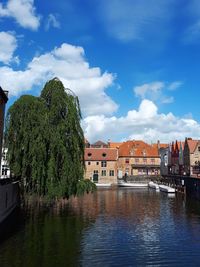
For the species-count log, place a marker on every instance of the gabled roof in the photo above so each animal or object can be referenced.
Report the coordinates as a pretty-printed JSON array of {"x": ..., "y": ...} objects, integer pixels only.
[
  {"x": 192, "y": 144},
  {"x": 137, "y": 148},
  {"x": 101, "y": 154}
]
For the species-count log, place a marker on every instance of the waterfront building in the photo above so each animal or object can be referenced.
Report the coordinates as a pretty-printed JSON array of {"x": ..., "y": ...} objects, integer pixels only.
[
  {"x": 177, "y": 158},
  {"x": 191, "y": 157},
  {"x": 101, "y": 164},
  {"x": 138, "y": 158},
  {"x": 3, "y": 101}
]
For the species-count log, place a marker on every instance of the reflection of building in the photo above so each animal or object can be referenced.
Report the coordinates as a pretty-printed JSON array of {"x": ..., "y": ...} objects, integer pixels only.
[
  {"x": 138, "y": 158},
  {"x": 191, "y": 156},
  {"x": 101, "y": 165}
]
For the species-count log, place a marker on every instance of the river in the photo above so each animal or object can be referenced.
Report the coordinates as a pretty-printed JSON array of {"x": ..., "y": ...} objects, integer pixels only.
[{"x": 112, "y": 227}]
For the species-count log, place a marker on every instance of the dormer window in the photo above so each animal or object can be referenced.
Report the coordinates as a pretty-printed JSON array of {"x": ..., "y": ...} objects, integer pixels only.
[
  {"x": 104, "y": 155},
  {"x": 198, "y": 148},
  {"x": 89, "y": 155}
]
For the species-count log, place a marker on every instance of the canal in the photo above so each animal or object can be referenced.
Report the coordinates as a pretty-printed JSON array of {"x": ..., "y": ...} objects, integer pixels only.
[{"x": 112, "y": 227}]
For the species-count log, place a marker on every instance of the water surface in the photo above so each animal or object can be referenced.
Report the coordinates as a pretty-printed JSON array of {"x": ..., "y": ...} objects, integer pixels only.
[{"x": 112, "y": 227}]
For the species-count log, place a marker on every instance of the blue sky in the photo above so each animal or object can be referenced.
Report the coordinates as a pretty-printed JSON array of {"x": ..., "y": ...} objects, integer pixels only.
[{"x": 133, "y": 63}]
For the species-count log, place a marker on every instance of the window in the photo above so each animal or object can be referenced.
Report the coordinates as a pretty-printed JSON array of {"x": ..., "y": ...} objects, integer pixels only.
[
  {"x": 127, "y": 161},
  {"x": 103, "y": 164},
  {"x": 145, "y": 160},
  {"x": 96, "y": 172},
  {"x": 136, "y": 160},
  {"x": 152, "y": 161},
  {"x": 97, "y": 163},
  {"x": 4, "y": 170},
  {"x": 89, "y": 162},
  {"x": 112, "y": 173},
  {"x": 103, "y": 173},
  {"x": 198, "y": 148}
]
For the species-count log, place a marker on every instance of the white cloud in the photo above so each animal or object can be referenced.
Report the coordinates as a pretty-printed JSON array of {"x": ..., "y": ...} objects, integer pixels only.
[
  {"x": 69, "y": 64},
  {"x": 52, "y": 21},
  {"x": 135, "y": 20},
  {"x": 8, "y": 45},
  {"x": 23, "y": 11},
  {"x": 146, "y": 123},
  {"x": 157, "y": 91},
  {"x": 174, "y": 85},
  {"x": 149, "y": 88},
  {"x": 168, "y": 100}
]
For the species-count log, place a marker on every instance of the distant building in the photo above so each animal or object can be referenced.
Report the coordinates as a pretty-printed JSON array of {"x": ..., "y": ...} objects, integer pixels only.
[
  {"x": 191, "y": 156},
  {"x": 99, "y": 144},
  {"x": 101, "y": 165},
  {"x": 177, "y": 149},
  {"x": 138, "y": 158},
  {"x": 3, "y": 101}
]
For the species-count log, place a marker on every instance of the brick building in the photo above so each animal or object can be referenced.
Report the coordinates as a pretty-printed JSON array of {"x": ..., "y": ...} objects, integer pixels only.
[
  {"x": 101, "y": 164},
  {"x": 138, "y": 158}
]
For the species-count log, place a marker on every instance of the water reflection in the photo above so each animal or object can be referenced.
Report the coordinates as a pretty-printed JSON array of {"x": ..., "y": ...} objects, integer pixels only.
[{"x": 112, "y": 227}]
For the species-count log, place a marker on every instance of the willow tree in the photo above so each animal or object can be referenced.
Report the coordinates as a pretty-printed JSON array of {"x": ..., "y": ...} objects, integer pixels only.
[{"x": 46, "y": 143}]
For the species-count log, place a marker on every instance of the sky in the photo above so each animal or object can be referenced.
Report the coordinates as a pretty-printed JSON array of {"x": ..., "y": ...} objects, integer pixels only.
[{"x": 134, "y": 64}]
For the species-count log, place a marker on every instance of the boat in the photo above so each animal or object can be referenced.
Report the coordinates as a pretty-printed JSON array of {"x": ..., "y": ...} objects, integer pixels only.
[
  {"x": 167, "y": 189},
  {"x": 103, "y": 185},
  {"x": 134, "y": 184},
  {"x": 153, "y": 185},
  {"x": 9, "y": 198}
]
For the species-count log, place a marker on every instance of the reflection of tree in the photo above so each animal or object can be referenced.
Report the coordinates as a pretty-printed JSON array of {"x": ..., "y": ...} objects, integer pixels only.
[{"x": 49, "y": 238}]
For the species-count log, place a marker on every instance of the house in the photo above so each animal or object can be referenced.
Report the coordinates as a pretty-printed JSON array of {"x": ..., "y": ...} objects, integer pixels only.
[
  {"x": 191, "y": 156},
  {"x": 177, "y": 158},
  {"x": 101, "y": 165},
  {"x": 138, "y": 158}
]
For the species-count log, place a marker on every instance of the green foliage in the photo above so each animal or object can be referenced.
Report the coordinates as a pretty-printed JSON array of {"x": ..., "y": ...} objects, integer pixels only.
[
  {"x": 46, "y": 143},
  {"x": 85, "y": 186}
]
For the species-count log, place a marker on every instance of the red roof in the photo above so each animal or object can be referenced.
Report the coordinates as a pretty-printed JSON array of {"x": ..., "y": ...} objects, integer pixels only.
[
  {"x": 95, "y": 154},
  {"x": 114, "y": 144},
  {"x": 192, "y": 145},
  {"x": 137, "y": 149}
]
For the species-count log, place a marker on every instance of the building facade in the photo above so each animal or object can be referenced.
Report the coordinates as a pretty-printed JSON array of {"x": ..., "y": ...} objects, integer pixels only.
[
  {"x": 101, "y": 165},
  {"x": 138, "y": 158},
  {"x": 191, "y": 157}
]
